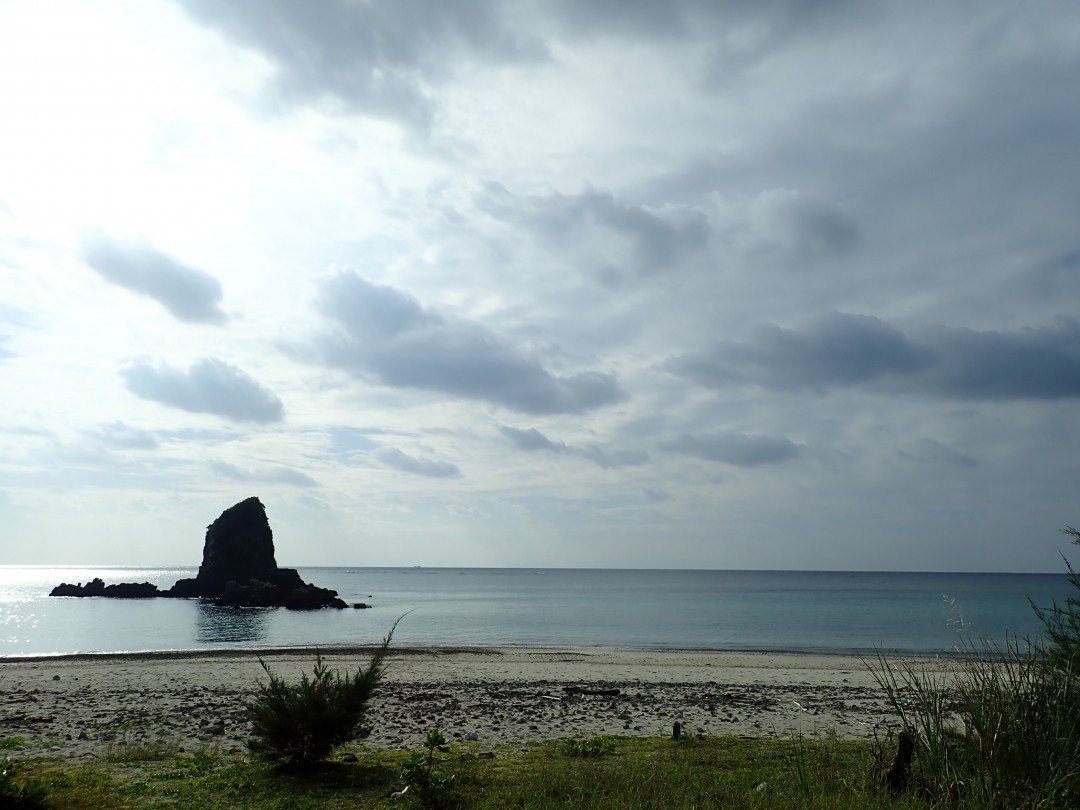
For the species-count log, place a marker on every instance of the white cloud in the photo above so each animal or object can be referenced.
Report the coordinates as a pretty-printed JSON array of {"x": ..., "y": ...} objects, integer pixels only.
[
  {"x": 403, "y": 462},
  {"x": 387, "y": 336},
  {"x": 209, "y": 386},
  {"x": 189, "y": 294}
]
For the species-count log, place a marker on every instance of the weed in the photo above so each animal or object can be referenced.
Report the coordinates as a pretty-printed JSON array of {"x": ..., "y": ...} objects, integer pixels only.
[
  {"x": 433, "y": 786},
  {"x": 590, "y": 748}
]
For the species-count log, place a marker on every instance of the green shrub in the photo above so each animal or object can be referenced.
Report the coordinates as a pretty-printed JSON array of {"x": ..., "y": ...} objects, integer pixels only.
[
  {"x": 17, "y": 791},
  {"x": 296, "y": 725}
]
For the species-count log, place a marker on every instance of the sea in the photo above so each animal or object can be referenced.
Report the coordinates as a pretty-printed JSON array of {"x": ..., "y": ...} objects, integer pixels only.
[{"x": 826, "y": 612}]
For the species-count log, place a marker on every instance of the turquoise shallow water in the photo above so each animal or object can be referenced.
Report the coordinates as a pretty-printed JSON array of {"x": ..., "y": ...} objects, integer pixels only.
[{"x": 824, "y": 612}]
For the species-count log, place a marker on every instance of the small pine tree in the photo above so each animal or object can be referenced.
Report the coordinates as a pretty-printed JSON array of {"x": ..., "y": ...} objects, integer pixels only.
[{"x": 296, "y": 725}]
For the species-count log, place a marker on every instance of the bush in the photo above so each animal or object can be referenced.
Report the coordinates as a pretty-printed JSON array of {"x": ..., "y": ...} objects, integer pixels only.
[
  {"x": 1006, "y": 731},
  {"x": 19, "y": 792},
  {"x": 298, "y": 725}
]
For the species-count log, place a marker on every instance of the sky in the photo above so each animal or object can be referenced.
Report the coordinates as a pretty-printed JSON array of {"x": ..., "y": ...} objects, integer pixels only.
[{"x": 651, "y": 283}]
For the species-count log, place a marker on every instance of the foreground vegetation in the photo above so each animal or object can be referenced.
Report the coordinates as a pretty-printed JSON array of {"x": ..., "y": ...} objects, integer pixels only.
[
  {"x": 1006, "y": 733},
  {"x": 611, "y": 772}
]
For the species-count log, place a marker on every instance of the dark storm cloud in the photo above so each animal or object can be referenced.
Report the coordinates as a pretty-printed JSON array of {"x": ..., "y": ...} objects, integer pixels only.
[
  {"x": 210, "y": 386},
  {"x": 1029, "y": 364},
  {"x": 531, "y": 440},
  {"x": 403, "y": 462},
  {"x": 387, "y": 336},
  {"x": 735, "y": 448},
  {"x": 847, "y": 350},
  {"x": 838, "y": 349},
  {"x": 654, "y": 240},
  {"x": 372, "y": 58},
  {"x": 188, "y": 293},
  {"x": 273, "y": 475}
]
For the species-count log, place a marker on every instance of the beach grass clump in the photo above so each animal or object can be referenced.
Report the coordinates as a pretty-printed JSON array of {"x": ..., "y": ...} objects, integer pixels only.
[
  {"x": 1005, "y": 730},
  {"x": 297, "y": 725},
  {"x": 1061, "y": 622},
  {"x": 591, "y": 747},
  {"x": 127, "y": 749}
]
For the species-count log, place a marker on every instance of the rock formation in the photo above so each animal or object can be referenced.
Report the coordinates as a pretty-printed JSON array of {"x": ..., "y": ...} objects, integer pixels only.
[
  {"x": 97, "y": 587},
  {"x": 238, "y": 568}
]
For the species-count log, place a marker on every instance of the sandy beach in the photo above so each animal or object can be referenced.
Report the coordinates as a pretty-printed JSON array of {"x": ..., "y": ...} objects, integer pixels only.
[{"x": 79, "y": 706}]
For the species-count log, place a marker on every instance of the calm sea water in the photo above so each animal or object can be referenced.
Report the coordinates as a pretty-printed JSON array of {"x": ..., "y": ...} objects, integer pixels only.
[{"x": 825, "y": 612}]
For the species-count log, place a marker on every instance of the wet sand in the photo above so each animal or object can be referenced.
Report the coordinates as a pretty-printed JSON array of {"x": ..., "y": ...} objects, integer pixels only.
[{"x": 80, "y": 706}]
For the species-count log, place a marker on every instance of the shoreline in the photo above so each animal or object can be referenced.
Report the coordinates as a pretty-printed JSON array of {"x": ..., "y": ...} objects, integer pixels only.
[
  {"x": 398, "y": 650},
  {"x": 83, "y": 706}
]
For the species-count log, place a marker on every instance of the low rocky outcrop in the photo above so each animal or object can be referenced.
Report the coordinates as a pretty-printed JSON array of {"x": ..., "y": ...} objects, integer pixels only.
[
  {"x": 238, "y": 568},
  {"x": 97, "y": 587}
]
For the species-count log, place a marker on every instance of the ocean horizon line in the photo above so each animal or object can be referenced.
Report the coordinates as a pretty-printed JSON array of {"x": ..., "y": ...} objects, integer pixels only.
[{"x": 591, "y": 569}]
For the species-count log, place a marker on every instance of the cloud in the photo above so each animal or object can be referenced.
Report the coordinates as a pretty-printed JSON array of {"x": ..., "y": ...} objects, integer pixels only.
[
  {"x": 396, "y": 459},
  {"x": 611, "y": 235},
  {"x": 210, "y": 386},
  {"x": 269, "y": 475},
  {"x": 799, "y": 226},
  {"x": 16, "y": 316},
  {"x": 387, "y": 336},
  {"x": 531, "y": 440},
  {"x": 346, "y": 442},
  {"x": 1039, "y": 363},
  {"x": 188, "y": 293},
  {"x": 848, "y": 350},
  {"x": 118, "y": 434},
  {"x": 735, "y": 448},
  {"x": 931, "y": 451},
  {"x": 377, "y": 59},
  {"x": 837, "y": 349},
  {"x": 5, "y": 353}
]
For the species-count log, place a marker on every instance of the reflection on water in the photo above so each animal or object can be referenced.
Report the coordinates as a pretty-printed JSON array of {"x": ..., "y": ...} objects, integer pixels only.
[{"x": 217, "y": 625}]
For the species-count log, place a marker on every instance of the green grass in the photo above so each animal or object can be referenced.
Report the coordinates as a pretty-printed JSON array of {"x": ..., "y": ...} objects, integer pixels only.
[{"x": 620, "y": 772}]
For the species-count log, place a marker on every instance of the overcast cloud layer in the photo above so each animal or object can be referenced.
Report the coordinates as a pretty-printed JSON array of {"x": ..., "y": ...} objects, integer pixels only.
[{"x": 652, "y": 284}]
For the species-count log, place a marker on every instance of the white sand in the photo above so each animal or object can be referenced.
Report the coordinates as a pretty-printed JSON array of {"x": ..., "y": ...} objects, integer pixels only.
[{"x": 79, "y": 706}]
